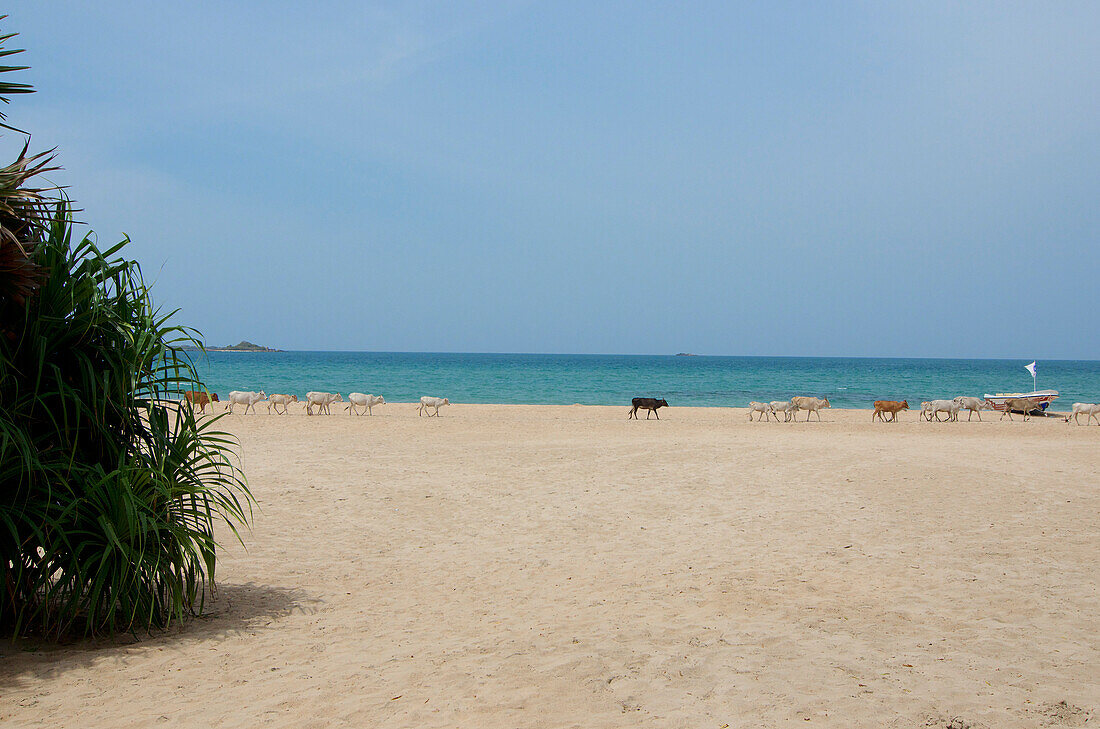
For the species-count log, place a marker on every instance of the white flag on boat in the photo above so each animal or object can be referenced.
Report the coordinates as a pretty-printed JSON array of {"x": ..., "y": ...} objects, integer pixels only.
[{"x": 1030, "y": 368}]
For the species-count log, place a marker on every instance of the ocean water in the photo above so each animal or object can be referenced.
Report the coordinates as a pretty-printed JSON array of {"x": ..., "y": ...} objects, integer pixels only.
[{"x": 564, "y": 379}]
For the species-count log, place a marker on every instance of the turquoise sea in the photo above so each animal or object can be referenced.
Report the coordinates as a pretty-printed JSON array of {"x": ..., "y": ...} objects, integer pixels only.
[{"x": 564, "y": 379}]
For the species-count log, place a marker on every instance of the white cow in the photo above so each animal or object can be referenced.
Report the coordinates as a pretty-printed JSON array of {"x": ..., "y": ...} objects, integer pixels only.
[
  {"x": 248, "y": 399},
  {"x": 974, "y": 405},
  {"x": 810, "y": 405},
  {"x": 358, "y": 400},
  {"x": 952, "y": 408},
  {"x": 926, "y": 410},
  {"x": 321, "y": 400},
  {"x": 432, "y": 402},
  {"x": 275, "y": 400},
  {"x": 784, "y": 406},
  {"x": 1087, "y": 409},
  {"x": 1025, "y": 405},
  {"x": 764, "y": 408}
]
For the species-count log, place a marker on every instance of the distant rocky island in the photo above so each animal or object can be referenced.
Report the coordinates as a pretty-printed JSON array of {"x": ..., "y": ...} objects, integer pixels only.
[
  {"x": 243, "y": 346},
  {"x": 686, "y": 354}
]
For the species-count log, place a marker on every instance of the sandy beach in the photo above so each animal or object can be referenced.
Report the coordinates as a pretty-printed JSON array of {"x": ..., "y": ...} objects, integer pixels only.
[{"x": 557, "y": 566}]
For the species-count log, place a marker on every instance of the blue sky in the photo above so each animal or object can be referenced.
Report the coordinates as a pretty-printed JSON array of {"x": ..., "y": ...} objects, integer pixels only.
[{"x": 773, "y": 178}]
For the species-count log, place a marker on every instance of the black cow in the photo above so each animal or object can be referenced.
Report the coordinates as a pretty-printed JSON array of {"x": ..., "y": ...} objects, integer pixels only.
[{"x": 650, "y": 404}]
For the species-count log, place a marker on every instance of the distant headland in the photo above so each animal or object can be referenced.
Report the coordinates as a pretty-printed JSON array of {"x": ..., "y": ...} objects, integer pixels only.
[
  {"x": 686, "y": 354},
  {"x": 243, "y": 346}
]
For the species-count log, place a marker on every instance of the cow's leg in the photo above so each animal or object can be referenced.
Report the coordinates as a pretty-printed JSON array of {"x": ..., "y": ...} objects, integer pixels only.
[
  {"x": 648, "y": 413},
  {"x": 657, "y": 414}
]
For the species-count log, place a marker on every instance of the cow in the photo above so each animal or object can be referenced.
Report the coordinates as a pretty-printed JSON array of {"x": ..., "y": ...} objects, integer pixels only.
[
  {"x": 649, "y": 404},
  {"x": 321, "y": 400},
  {"x": 201, "y": 398},
  {"x": 1088, "y": 409},
  {"x": 275, "y": 400},
  {"x": 431, "y": 402},
  {"x": 358, "y": 400},
  {"x": 810, "y": 405},
  {"x": 1024, "y": 405},
  {"x": 952, "y": 408},
  {"x": 248, "y": 399},
  {"x": 764, "y": 408},
  {"x": 783, "y": 406},
  {"x": 889, "y": 406},
  {"x": 926, "y": 410},
  {"x": 972, "y": 404}
]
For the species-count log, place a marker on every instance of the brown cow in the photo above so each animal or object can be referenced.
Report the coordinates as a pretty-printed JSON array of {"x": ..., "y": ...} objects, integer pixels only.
[
  {"x": 202, "y": 399},
  {"x": 889, "y": 406}
]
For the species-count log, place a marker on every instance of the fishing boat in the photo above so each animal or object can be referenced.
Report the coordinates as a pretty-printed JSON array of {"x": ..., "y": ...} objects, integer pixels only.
[{"x": 1044, "y": 397}]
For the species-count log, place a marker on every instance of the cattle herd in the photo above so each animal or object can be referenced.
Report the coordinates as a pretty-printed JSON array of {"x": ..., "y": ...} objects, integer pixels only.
[
  {"x": 358, "y": 403},
  {"x": 321, "y": 402}
]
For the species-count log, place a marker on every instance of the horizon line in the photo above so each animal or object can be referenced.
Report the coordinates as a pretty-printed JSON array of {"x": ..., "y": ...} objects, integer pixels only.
[{"x": 643, "y": 354}]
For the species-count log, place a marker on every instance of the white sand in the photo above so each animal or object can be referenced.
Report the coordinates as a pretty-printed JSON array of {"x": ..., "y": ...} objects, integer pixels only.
[{"x": 515, "y": 566}]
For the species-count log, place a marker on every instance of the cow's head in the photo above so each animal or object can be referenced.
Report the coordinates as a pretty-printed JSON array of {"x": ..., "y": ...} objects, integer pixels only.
[
  {"x": 904, "y": 404},
  {"x": 663, "y": 403},
  {"x": 446, "y": 401},
  {"x": 262, "y": 394},
  {"x": 214, "y": 397},
  {"x": 826, "y": 404},
  {"x": 294, "y": 398},
  {"x": 381, "y": 400},
  {"x": 339, "y": 398}
]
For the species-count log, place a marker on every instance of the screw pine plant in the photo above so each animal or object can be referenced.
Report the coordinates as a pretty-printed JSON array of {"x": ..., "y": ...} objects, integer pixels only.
[{"x": 110, "y": 493}]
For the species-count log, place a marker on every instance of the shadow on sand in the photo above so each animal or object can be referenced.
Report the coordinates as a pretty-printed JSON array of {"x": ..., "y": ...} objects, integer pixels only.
[{"x": 235, "y": 609}]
